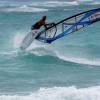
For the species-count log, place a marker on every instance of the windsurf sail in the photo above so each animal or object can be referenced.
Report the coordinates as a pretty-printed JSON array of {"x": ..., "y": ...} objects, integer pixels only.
[{"x": 69, "y": 25}]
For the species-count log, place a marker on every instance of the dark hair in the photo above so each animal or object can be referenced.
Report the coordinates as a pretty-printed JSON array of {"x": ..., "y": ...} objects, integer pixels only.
[{"x": 44, "y": 18}]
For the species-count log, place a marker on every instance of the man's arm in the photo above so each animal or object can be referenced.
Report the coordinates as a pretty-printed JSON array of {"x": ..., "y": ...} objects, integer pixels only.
[
  {"x": 45, "y": 26},
  {"x": 50, "y": 24}
]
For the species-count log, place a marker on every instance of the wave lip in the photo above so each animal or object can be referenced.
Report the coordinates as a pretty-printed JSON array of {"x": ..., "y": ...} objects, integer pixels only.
[
  {"x": 78, "y": 60},
  {"x": 59, "y": 93}
]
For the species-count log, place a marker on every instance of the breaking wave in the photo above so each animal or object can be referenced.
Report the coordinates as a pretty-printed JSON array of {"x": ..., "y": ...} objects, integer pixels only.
[{"x": 59, "y": 93}]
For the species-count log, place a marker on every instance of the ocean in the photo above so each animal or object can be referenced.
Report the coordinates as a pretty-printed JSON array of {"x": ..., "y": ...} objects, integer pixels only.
[{"x": 67, "y": 69}]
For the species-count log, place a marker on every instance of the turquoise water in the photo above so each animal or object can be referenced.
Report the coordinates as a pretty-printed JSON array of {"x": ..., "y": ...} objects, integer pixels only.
[{"x": 68, "y": 69}]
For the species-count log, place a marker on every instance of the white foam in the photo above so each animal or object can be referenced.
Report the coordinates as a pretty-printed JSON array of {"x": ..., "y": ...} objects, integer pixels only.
[
  {"x": 9, "y": 52},
  {"x": 24, "y": 8},
  {"x": 40, "y": 49},
  {"x": 89, "y": 2},
  {"x": 59, "y": 93},
  {"x": 55, "y": 3},
  {"x": 85, "y": 0},
  {"x": 77, "y": 59}
]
